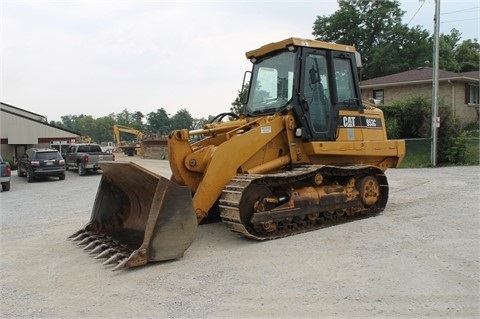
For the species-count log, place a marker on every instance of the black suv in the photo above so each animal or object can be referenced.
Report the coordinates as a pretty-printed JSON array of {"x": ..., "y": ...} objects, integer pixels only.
[{"x": 41, "y": 162}]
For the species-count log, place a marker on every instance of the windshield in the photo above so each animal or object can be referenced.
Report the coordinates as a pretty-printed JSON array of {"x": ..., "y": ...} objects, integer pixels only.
[{"x": 271, "y": 84}]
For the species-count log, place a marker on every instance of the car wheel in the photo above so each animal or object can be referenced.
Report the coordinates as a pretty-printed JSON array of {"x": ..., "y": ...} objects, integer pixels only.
[
  {"x": 29, "y": 175},
  {"x": 81, "y": 169},
  {"x": 6, "y": 186},
  {"x": 20, "y": 172},
  {"x": 61, "y": 177}
]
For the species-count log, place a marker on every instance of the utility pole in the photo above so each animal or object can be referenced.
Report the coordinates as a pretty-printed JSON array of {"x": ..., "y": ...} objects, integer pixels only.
[{"x": 435, "y": 119}]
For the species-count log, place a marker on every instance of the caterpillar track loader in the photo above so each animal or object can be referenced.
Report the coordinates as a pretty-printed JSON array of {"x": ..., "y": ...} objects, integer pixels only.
[{"x": 307, "y": 153}]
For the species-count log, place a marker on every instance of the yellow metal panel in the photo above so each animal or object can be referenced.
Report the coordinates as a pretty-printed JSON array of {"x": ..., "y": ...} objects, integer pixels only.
[
  {"x": 354, "y": 148},
  {"x": 274, "y": 46}
]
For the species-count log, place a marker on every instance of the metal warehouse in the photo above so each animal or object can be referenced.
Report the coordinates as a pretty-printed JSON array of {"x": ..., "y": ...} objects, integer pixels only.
[{"x": 21, "y": 129}]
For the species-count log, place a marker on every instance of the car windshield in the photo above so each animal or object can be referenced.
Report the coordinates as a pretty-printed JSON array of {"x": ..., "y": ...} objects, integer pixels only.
[
  {"x": 47, "y": 155},
  {"x": 271, "y": 84}
]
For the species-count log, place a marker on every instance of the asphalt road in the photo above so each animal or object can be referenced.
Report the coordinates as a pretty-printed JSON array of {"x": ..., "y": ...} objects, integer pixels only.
[{"x": 419, "y": 258}]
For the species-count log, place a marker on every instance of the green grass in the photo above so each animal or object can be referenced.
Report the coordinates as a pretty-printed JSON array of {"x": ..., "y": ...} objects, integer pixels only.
[
  {"x": 418, "y": 153},
  {"x": 473, "y": 152}
]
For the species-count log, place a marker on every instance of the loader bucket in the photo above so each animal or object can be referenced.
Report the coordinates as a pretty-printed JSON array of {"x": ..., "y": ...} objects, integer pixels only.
[{"x": 138, "y": 217}]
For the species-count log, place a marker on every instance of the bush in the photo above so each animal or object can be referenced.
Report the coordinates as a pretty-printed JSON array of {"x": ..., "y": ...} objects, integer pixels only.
[
  {"x": 451, "y": 143},
  {"x": 411, "y": 118},
  {"x": 472, "y": 129},
  {"x": 456, "y": 150},
  {"x": 408, "y": 118}
]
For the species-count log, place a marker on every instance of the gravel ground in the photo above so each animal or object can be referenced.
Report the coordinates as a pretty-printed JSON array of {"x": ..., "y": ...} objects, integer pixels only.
[{"x": 417, "y": 259}]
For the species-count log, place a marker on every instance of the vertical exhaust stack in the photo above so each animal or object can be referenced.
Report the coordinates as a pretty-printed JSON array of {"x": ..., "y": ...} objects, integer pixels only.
[{"x": 138, "y": 217}]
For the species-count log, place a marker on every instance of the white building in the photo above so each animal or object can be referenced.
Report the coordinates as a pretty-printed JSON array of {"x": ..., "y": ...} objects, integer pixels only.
[{"x": 21, "y": 129}]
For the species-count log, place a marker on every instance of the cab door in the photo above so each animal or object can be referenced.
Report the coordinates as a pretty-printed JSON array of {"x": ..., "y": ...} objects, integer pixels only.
[
  {"x": 328, "y": 85},
  {"x": 316, "y": 96}
]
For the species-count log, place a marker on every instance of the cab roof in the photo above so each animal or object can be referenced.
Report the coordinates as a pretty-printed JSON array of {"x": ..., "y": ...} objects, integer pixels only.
[{"x": 298, "y": 42}]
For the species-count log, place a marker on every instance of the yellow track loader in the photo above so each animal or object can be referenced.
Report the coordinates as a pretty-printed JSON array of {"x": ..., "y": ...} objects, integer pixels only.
[{"x": 307, "y": 153}]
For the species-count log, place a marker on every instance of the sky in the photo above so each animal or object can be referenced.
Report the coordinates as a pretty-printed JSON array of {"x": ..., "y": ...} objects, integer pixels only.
[{"x": 101, "y": 57}]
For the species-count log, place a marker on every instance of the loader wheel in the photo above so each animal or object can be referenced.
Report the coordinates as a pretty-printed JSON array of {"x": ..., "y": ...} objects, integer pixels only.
[
  {"x": 369, "y": 190},
  {"x": 249, "y": 203}
]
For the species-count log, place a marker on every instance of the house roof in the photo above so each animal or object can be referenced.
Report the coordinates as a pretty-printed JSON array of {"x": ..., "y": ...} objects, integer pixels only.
[
  {"x": 7, "y": 108},
  {"x": 472, "y": 74},
  {"x": 424, "y": 74}
]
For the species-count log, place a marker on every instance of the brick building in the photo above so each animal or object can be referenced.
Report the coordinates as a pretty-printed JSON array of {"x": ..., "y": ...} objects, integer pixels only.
[{"x": 459, "y": 91}]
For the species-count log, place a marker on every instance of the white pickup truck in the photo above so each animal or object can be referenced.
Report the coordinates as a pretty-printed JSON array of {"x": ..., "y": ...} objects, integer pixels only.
[{"x": 86, "y": 157}]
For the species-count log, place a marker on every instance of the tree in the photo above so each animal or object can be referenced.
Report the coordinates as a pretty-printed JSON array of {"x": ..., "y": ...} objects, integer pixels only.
[
  {"x": 238, "y": 105},
  {"x": 199, "y": 123},
  {"x": 447, "y": 46},
  {"x": 134, "y": 120},
  {"x": 386, "y": 45},
  {"x": 66, "y": 122},
  {"x": 137, "y": 120},
  {"x": 182, "y": 120},
  {"x": 83, "y": 124},
  {"x": 468, "y": 55},
  {"x": 404, "y": 49},
  {"x": 366, "y": 24},
  {"x": 159, "y": 121},
  {"x": 104, "y": 129}
]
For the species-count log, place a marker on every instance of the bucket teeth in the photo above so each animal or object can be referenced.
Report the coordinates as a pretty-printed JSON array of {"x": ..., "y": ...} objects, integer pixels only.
[
  {"x": 121, "y": 264},
  {"x": 93, "y": 244},
  {"x": 76, "y": 234},
  {"x": 103, "y": 246},
  {"x": 99, "y": 249},
  {"x": 115, "y": 258},
  {"x": 80, "y": 236},
  {"x": 86, "y": 240},
  {"x": 106, "y": 253}
]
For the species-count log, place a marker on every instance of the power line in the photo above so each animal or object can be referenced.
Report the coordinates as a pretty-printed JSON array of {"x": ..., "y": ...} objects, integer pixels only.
[
  {"x": 458, "y": 20},
  {"x": 416, "y": 12},
  {"x": 459, "y": 11}
]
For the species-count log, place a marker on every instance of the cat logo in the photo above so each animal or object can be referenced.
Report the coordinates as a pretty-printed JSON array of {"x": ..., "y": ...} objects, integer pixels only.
[{"x": 349, "y": 121}]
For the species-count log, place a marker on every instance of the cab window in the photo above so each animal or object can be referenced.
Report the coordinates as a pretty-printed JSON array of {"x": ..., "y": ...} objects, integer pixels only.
[
  {"x": 344, "y": 81},
  {"x": 316, "y": 91}
]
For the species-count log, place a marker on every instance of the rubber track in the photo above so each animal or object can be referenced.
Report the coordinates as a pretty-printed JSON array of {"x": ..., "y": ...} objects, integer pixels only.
[{"x": 232, "y": 195}]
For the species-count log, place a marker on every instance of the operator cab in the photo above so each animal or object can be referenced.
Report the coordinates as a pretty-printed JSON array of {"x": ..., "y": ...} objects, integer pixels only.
[{"x": 314, "y": 79}]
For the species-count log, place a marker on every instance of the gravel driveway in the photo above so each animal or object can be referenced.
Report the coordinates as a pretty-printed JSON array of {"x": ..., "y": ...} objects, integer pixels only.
[{"x": 417, "y": 259}]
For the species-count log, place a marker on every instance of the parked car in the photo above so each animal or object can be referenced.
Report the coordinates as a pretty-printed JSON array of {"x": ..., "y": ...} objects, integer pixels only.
[
  {"x": 5, "y": 172},
  {"x": 41, "y": 162},
  {"x": 85, "y": 157}
]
